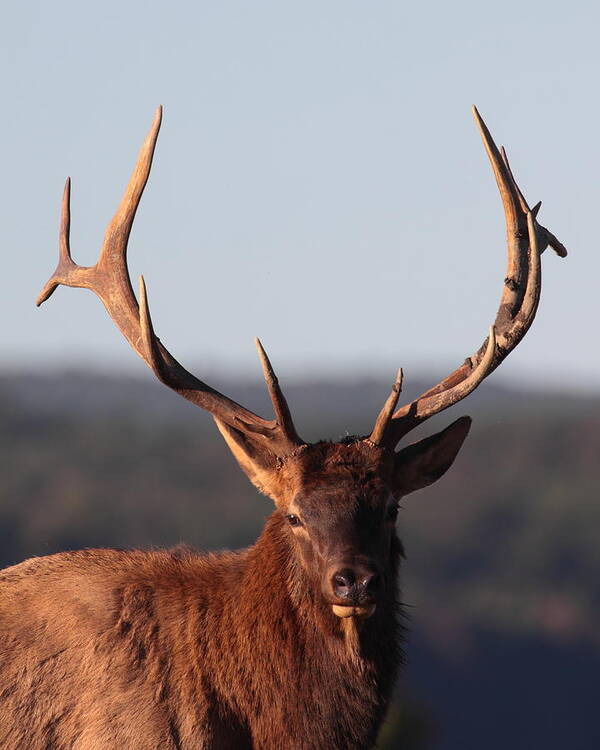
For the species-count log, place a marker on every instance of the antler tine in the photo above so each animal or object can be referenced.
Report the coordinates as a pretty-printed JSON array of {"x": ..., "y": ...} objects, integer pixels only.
[
  {"x": 280, "y": 405},
  {"x": 518, "y": 304},
  {"x": 65, "y": 264},
  {"x": 149, "y": 340},
  {"x": 65, "y": 224},
  {"x": 381, "y": 423},
  {"x": 116, "y": 237},
  {"x": 515, "y": 225},
  {"x": 546, "y": 237},
  {"x": 109, "y": 280}
]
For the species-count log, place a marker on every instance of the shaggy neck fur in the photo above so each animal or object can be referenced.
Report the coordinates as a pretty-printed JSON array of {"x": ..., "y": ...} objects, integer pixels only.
[
  {"x": 311, "y": 669},
  {"x": 182, "y": 651}
]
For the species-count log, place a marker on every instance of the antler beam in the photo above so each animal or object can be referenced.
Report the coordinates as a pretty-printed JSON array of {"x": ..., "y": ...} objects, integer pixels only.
[
  {"x": 518, "y": 305},
  {"x": 109, "y": 280}
]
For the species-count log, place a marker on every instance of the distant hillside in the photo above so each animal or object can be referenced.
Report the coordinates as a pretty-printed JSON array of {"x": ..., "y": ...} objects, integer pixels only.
[{"x": 319, "y": 404}]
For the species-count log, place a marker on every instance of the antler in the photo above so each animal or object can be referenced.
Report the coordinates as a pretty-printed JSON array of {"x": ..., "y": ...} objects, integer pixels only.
[
  {"x": 109, "y": 280},
  {"x": 518, "y": 305}
]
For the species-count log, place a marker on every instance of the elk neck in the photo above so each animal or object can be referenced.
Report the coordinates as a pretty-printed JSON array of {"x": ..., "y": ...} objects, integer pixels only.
[{"x": 276, "y": 587}]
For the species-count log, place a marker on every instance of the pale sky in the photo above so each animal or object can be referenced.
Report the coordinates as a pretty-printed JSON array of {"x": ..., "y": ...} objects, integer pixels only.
[{"x": 319, "y": 180}]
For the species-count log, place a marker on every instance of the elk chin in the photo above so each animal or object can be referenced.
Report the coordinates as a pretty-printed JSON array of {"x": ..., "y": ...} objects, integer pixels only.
[{"x": 363, "y": 612}]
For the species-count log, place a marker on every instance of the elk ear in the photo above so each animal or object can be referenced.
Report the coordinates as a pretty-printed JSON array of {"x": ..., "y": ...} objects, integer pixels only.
[
  {"x": 256, "y": 461},
  {"x": 423, "y": 463}
]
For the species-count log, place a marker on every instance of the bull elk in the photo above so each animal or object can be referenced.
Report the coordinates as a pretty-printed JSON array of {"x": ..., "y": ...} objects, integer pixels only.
[{"x": 291, "y": 643}]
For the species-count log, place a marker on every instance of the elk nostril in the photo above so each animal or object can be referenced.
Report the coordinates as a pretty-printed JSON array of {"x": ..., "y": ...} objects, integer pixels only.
[
  {"x": 369, "y": 583},
  {"x": 343, "y": 582}
]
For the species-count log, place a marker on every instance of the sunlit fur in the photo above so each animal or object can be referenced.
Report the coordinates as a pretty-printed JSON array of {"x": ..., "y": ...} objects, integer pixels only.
[{"x": 177, "y": 650}]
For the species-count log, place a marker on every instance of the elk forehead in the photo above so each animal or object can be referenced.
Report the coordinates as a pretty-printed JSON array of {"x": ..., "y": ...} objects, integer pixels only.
[{"x": 338, "y": 471}]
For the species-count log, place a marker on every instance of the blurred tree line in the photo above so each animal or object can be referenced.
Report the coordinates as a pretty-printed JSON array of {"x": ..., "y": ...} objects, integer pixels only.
[{"x": 502, "y": 578}]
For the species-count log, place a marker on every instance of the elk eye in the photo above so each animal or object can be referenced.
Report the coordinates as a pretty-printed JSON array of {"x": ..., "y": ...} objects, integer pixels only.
[
  {"x": 392, "y": 513},
  {"x": 293, "y": 520}
]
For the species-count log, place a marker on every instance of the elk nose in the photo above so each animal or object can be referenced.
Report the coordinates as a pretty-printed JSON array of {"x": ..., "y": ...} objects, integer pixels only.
[
  {"x": 368, "y": 583},
  {"x": 352, "y": 584},
  {"x": 343, "y": 583}
]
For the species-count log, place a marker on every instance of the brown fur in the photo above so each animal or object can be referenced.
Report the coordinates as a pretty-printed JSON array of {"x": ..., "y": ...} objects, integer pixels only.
[{"x": 173, "y": 650}]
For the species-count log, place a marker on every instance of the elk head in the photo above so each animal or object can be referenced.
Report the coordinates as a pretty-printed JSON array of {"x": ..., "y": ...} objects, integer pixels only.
[{"x": 338, "y": 500}]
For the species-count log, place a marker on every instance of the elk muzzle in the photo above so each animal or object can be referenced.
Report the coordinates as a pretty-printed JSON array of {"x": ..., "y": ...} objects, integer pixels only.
[{"x": 354, "y": 589}]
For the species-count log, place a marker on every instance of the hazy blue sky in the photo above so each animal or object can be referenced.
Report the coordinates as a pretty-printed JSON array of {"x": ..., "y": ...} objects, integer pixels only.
[{"x": 319, "y": 180}]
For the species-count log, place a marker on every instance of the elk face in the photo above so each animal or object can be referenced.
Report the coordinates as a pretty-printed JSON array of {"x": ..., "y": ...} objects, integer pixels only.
[
  {"x": 340, "y": 504},
  {"x": 341, "y": 517}
]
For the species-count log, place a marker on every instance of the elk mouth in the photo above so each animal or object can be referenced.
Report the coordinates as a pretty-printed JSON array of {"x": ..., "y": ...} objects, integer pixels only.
[{"x": 352, "y": 610}]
